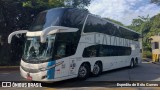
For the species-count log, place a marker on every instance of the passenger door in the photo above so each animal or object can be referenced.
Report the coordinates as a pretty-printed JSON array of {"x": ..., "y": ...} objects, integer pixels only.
[{"x": 62, "y": 60}]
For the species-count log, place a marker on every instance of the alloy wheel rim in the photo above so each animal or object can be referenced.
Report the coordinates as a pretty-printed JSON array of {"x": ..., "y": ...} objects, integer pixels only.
[{"x": 96, "y": 69}]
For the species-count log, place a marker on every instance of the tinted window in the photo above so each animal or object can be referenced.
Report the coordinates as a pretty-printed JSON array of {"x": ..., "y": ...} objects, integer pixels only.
[
  {"x": 95, "y": 24},
  {"x": 109, "y": 50},
  {"x": 74, "y": 18},
  {"x": 68, "y": 17},
  {"x": 90, "y": 51},
  {"x": 47, "y": 18},
  {"x": 106, "y": 50},
  {"x": 65, "y": 44}
]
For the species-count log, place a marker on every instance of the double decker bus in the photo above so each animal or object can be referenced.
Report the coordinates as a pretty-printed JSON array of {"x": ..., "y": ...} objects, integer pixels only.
[{"x": 65, "y": 43}]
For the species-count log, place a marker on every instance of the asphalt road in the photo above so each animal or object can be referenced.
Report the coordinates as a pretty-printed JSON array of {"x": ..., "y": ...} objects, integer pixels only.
[{"x": 146, "y": 71}]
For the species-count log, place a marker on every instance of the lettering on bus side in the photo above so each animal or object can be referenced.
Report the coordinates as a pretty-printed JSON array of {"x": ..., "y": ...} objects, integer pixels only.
[
  {"x": 112, "y": 40},
  {"x": 98, "y": 38}
]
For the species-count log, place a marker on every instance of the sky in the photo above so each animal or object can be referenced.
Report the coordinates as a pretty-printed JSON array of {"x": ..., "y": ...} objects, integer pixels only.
[{"x": 123, "y": 10}]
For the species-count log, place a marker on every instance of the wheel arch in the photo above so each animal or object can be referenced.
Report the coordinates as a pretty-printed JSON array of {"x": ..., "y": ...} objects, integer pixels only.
[
  {"x": 88, "y": 63},
  {"x": 98, "y": 61}
]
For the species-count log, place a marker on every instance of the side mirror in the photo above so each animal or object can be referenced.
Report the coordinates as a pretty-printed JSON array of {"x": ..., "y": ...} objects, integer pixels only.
[{"x": 15, "y": 33}]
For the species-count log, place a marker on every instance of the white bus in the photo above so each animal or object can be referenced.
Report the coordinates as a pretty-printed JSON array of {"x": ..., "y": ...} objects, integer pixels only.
[{"x": 65, "y": 43}]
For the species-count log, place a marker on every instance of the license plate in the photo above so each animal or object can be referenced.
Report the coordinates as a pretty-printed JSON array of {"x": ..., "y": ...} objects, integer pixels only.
[{"x": 29, "y": 77}]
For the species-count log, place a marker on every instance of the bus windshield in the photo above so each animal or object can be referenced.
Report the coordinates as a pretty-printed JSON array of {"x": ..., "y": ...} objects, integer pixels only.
[
  {"x": 46, "y": 19},
  {"x": 37, "y": 51}
]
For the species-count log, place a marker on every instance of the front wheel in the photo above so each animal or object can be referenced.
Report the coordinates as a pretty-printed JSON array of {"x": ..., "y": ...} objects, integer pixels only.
[{"x": 83, "y": 72}]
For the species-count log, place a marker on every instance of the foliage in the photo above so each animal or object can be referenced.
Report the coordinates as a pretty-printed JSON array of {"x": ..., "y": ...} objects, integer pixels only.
[
  {"x": 55, "y": 3},
  {"x": 46, "y": 4},
  {"x": 147, "y": 54},
  {"x": 156, "y": 2},
  {"x": 147, "y": 27},
  {"x": 79, "y": 3}
]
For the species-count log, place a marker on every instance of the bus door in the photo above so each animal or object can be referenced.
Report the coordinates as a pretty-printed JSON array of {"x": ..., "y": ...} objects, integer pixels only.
[{"x": 62, "y": 61}]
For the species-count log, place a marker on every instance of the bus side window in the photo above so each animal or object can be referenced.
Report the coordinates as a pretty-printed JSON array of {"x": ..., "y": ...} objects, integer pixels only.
[
  {"x": 70, "y": 48},
  {"x": 104, "y": 51},
  {"x": 109, "y": 50},
  {"x": 61, "y": 51},
  {"x": 90, "y": 52}
]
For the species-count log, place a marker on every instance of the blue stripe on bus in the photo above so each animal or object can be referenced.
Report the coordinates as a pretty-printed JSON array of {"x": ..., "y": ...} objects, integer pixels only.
[{"x": 50, "y": 72}]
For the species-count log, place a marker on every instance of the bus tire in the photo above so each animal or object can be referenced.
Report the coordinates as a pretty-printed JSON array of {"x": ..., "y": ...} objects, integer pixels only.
[
  {"x": 83, "y": 72},
  {"x": 132, "y": 64},
  {"x": 97, "y": 69},
  {"x": 136, "y": 61}
]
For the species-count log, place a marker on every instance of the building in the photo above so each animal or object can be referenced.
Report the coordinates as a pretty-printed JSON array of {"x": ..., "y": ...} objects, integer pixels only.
[{"x": 155, "y": 44}]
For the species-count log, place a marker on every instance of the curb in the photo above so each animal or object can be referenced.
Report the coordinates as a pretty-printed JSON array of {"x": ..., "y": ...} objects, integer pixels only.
[
  {"x": 158, "y": 63},
  {"x": 147, "y": 60}
]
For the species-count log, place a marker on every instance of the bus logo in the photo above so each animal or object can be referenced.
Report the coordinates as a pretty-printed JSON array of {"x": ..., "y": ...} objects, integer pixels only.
[{"x": 6, "y": 84}]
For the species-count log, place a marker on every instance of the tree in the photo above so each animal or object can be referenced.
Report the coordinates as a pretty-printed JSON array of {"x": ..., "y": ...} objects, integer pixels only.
[
  {"x": 136, "y": 25},
  {"x": 137, "y": 22},
  {"x": 156, "y": 2},
  {"x": 9, "y": 10},
  {"x": 147, "y": 27},
  {"x": 56, "y": 3},
  {"x": 78, "y": 3},
  {"x": 43, "y": 4}
]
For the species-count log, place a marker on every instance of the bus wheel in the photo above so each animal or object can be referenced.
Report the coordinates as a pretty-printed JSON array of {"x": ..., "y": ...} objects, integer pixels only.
[
  {"x": 132, "y": 63},
  {"x": 83, "y": 72},
  {"x": 97, "y": 69},
  {"x": 136, "y": 61}
]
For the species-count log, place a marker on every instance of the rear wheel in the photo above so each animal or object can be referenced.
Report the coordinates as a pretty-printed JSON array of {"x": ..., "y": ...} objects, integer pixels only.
[
  {"x": 132, "y": 64},
  {"x": 97, "y": 69},
  {"x": 136, "y": 62},
  {"x": 83, "y": 71}
]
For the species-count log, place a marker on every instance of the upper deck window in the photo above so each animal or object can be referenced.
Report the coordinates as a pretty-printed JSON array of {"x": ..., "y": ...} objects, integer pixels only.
[
  {"x": 46, "y": 19},
  {"x": 99, "y": 25}
]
